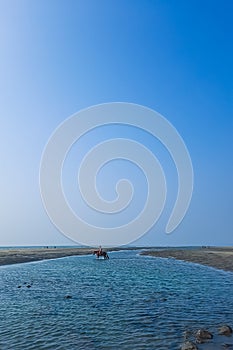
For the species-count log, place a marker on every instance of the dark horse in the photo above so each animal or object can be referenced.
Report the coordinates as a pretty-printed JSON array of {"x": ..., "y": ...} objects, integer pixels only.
[{"x": 98, "y": 254}]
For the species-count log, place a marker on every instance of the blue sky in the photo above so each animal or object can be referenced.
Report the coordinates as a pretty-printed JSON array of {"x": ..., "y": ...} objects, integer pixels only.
[{"x": 57, "y": 57}]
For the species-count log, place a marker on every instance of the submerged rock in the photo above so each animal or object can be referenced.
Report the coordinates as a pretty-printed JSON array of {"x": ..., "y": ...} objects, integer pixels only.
[
  {"x": 225, "y": 330},
  {"x": 227, "y": 346},
  {"x": 188, "y": 345},
  {"x": 68, "y": 297}
]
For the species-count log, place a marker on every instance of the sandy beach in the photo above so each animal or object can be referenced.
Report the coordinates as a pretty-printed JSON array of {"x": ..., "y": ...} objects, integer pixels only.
[
  {"x": 217, "y": 257},
  {"x": 21, "y": 255}
]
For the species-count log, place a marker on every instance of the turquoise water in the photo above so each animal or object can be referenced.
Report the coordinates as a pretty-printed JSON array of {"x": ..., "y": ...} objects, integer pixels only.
[{"x": 127, "y": 302}]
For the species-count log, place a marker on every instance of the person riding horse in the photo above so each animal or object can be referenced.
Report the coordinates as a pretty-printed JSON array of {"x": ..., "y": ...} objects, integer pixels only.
[{"x": 100, "y": 252}]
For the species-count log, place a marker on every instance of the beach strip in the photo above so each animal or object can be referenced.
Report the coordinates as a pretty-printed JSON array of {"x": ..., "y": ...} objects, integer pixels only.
[
  {"x": 9, "y": 256},
  {"x": 217, "y": 257},
  {"x": 22, "y": 255}
]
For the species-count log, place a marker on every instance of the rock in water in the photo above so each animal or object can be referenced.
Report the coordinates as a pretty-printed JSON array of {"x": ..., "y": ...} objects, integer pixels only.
[
  {"x": 187, "y": 334},
  {"x": 203, "y": 335},
  {"x": 227, "y": 346},
  {"x": 188, "y": 345},
  {"x": 225, "y": 330},
  {"x": 68, "y": 297}
]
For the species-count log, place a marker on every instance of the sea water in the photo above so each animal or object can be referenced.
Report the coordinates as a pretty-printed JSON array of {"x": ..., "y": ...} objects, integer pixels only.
[{"x": 126, "y": 302}]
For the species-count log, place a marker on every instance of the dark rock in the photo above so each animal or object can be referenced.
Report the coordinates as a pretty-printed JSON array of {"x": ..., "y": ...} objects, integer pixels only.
[
  {"x": 164, "y": 299},
  {"x": 28, "y": 286},
  {"x": 188, "y": 345},
  {"x": 19, "y": 287},
  {"x": 187, "y": 334},
  {"x": 203, "y": 334},
  {"x": 227, "y": 346},
  {"x": 225, "y": 330},
  {"x": 68, "y": 297}
]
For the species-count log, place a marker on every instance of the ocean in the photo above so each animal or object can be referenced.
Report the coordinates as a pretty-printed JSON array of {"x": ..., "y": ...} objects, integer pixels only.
[{"x": 127, "y": 302}]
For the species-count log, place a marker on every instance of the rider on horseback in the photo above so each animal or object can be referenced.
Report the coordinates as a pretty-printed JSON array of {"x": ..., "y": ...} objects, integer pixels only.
[{"x": 100, "y": 250}]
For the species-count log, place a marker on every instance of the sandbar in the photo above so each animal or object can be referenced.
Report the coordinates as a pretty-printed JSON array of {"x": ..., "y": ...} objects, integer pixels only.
[
  {"x": 217, "y": 257},
  {"x": 9, "y": 256}
]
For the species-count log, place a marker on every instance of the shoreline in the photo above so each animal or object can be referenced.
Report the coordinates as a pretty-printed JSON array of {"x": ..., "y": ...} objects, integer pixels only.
[
  {"x": 10, "y": 256},
  {"x": 217, "y": 257}
]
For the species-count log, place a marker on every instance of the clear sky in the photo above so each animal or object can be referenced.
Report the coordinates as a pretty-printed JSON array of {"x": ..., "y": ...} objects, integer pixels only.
[{"x": 174, "y": 56}]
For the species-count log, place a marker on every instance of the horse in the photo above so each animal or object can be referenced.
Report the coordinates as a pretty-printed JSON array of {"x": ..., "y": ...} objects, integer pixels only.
[{"x": 98, "y": 254}]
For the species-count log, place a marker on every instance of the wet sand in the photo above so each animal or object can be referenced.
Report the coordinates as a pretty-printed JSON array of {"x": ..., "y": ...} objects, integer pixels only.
[{"x": 217, "y": 257}]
